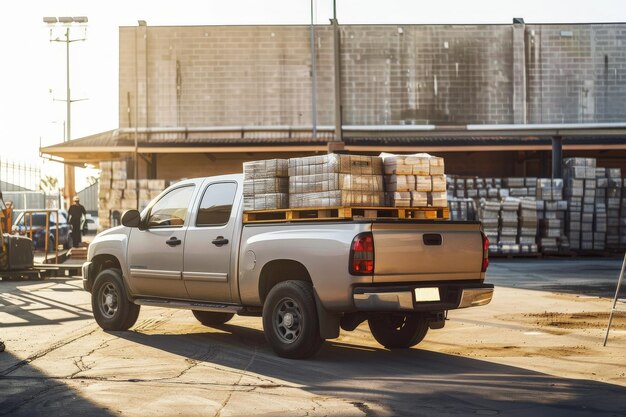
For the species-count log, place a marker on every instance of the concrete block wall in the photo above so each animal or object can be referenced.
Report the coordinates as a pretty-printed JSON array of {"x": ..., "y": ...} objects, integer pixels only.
[
  {"x": 390, "y": 74},
  {"x": 576, "y": 73}
]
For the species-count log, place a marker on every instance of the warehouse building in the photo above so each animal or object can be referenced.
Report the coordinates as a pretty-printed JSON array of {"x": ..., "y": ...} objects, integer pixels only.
[{"x": 494, "y": 100}]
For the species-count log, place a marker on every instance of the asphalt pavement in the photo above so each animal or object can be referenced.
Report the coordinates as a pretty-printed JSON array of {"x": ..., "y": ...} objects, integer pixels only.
[{"x": 532, "y": 352}]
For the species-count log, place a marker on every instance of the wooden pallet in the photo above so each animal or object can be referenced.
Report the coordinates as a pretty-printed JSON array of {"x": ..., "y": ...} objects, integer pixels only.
[{"x": 346, "y": 213}]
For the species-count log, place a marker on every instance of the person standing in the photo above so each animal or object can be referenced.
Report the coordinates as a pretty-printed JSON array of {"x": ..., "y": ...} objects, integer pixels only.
[{"x": 75, "y": 213}]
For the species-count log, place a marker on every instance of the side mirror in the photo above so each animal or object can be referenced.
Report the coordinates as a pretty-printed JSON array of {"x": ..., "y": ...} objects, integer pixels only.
[{"x": 131, "y": 218}]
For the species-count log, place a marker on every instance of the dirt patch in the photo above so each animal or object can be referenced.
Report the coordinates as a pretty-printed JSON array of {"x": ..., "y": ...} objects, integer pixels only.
[
  {"x": 578, "y": 320},
  {"x": 503, "y": 351}
]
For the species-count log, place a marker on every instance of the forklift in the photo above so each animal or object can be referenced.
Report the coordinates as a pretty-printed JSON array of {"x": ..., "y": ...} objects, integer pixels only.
[{"x": 17, "y": 253}]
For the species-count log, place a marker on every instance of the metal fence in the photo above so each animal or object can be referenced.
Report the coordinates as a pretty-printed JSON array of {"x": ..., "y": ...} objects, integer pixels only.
[{"x": 19, "y": 176}]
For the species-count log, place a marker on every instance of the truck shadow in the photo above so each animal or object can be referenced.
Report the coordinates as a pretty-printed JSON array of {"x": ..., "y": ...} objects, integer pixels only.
[
  {"x": 404, "y": 382},
  {"x": 25, "y": 392}
]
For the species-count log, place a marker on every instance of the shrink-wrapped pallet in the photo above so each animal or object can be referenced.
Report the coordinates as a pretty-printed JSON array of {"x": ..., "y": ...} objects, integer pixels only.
[
  {"x": 398, "y": 199},
  {"x": 439, "y": 183},
  {"x": 428, "y": 185},
  {"x": 429, "y": 199},
  {"x": 423, "y": 183},
  {"x": 317, "y": 183},
  {"x": 399, "y": 183},
  {"x": 336, "y": 164},
  {"x": 265, "y": 184},
  {"x": 336, "y": 198},
  {"x": 335, "y": 180},
  {"x": 266, "y": 201},
  {"x": 252, "y": 187},
  {"x": 270, "y": 168},
  {"x": 397, "y": 165},
  {"x": 436, "y": 166}
]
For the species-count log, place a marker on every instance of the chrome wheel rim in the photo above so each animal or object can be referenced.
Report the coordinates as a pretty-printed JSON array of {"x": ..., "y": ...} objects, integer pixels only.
[
  {"x": 288, "y": 320},
  {"x": 109, "y": 300}
]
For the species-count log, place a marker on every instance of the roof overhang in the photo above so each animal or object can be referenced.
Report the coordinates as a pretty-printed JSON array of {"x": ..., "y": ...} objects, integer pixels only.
[{"x": 123, "y": 142}]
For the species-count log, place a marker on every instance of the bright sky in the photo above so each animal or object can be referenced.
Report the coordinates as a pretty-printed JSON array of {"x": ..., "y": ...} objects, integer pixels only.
[{"x": 32, "y": 69}]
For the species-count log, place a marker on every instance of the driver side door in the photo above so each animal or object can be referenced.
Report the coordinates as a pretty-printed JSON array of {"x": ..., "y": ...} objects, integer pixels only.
[{"x": 155, "y": 251}]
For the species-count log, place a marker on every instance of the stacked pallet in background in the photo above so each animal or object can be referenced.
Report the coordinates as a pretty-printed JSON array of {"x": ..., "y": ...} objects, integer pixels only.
[
  {"x": 335, "y": 181},
  {"x": 489, "y": 215},
  {"x": 266, "y": 184},
  {"x": 613, "y": 198},
  {"x": 414, "y": 180},
  {"x": 552, "y": 235},
  {"x": 582, "y": 171},
  {"x": 117, "y": 193},
  {"x": 528, "y": 222},
  {"x": 509, "y": 221}
]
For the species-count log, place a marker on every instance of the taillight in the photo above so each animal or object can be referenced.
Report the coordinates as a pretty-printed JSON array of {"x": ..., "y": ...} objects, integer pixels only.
[
  {"x": 362, "y": 254},
  {"x": 485, "y": 252}
]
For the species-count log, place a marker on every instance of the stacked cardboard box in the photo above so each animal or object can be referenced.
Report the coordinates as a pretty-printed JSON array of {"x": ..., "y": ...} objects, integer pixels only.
[
  {"x": 489, "y": 215},
  {"x": 117, "y": 193},
  {"x": 415, "y": 180},
  {"x": 528, "y": 221},
  {"x": 265, "y": 185},
  {"x": 509, "y": 221},
  {"x": 582, "y": 171},
  {"x": 552, "y": 209},
  {"x": 335, "y": 180},
  {"x": 462, "y": 209}
]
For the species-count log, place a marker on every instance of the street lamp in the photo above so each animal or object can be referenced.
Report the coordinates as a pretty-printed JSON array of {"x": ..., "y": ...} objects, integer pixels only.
[{"x": 67, "y": 22}]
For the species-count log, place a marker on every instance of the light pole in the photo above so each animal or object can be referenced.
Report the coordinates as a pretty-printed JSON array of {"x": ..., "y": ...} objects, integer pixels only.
[{"x": 68, "y": 23}]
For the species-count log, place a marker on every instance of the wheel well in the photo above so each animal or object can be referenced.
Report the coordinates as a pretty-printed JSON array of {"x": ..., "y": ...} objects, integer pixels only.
[
  {"x": 278, "y": 271},
  {"x": 101, "y": 262}
]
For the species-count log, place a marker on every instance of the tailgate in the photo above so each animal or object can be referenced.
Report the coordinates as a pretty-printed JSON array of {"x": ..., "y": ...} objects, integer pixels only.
[{"x": 441, "y": 251}]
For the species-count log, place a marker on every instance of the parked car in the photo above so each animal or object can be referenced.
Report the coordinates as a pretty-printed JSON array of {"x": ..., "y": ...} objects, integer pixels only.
[
  {"x": 191, "y": 249},
  {"x": 22, "y": 223},
  {"x": 89, "y": 225}
]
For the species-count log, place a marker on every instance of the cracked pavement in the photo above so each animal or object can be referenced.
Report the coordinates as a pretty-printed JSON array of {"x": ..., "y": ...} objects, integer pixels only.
[{"x": 486, "y": 360}]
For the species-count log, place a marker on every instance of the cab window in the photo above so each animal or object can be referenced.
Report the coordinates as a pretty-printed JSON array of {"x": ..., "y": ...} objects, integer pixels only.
[
  {"x": 216, "y": 205},
  {"x": 171, "y": 209}
]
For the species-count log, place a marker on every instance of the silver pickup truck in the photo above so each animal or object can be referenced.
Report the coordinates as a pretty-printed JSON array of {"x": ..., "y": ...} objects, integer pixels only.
[{"x": 190, "y": 249}]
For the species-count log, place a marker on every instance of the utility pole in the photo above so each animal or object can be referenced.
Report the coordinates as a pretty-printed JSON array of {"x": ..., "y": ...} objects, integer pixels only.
[{"x": 69, "y": 173}]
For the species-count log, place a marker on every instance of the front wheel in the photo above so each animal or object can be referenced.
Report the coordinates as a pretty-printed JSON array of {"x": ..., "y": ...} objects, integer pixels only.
[
  {"x": 290, "y": 320},
  {"x": 109, "y": 303},
  {"x": 211, "y": 318},
  {"x": 398, "y": 331}
]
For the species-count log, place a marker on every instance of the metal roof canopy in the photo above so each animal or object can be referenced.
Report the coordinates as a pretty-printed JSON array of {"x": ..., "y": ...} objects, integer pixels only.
[{"x": 364, "y": 138}]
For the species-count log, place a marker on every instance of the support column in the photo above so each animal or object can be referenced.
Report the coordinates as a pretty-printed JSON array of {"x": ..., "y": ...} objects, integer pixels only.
[
  {"x": 557, "y": 157},
  {"x": 519, "y": 72}
]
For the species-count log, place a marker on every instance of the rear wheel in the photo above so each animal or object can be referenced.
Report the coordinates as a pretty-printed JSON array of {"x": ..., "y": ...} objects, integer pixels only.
[
  {"x": 290, "y": 320},
  {"x": 211, "y": 318},
  {"x": 397, "y": 331},
  {"x": 109, "y": 303}
]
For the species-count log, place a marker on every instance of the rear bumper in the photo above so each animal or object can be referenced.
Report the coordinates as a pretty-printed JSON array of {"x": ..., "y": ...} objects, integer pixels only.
[{"x": 451, "y": 296}]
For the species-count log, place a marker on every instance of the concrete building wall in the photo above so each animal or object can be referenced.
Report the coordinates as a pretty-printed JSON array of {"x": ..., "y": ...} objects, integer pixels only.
[{"x": 390, "y": 74}]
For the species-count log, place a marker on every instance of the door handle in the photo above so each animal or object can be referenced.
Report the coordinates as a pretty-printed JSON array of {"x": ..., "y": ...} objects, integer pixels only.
[
  {"x": 173, "y": 241},
  {"x": 432, "y": 239},
  {"x": 219, "y": 241}
]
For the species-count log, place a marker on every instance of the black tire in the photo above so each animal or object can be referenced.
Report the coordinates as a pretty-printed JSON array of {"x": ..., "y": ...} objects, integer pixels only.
[
  {"x": 398, "y": 331},
  {"x": 211, "y": 318},
  {"x": 109, "y": 302},
  {"x": 290, "y": 320}
]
